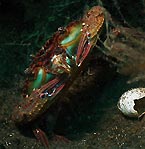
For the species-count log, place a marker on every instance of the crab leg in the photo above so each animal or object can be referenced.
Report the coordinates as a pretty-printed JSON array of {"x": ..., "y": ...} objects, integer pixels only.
[
  {"x": 41, "y": 136},
  {"x": 83, "y": 49}
]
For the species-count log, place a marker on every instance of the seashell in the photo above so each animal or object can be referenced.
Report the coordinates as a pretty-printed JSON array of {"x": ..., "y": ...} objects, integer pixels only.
[{"x": 132, "y": 103}]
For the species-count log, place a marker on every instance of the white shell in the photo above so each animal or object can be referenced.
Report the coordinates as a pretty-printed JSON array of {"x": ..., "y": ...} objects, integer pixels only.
[{"x": 126, "y": 102}]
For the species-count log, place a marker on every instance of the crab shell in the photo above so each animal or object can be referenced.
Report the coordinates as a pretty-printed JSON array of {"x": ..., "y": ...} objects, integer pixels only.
[
  {"x": 127, "y": 102},
  {"x": 57, "y": 65}
]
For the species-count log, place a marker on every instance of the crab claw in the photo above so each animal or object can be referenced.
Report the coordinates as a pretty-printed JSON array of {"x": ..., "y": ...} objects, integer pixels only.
[
  {"x": 91, "y": 27},
  {"x": 38, "y": 101},
  {"x": 83, "y": 50}
]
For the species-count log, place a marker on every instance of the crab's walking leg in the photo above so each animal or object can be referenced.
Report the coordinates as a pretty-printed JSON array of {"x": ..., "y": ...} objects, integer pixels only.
[{"x": 41, "y": 136}]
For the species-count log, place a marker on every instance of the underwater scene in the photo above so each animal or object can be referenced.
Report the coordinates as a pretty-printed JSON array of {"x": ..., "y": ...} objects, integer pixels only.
[{"x": 72, "y": 74}]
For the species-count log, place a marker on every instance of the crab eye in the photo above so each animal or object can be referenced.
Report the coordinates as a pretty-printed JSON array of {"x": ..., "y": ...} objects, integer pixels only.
[{"x": 61, "y": 30}]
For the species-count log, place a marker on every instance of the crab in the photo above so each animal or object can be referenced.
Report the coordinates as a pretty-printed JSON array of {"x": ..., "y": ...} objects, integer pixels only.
[{"x": 55, "y": 67}]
